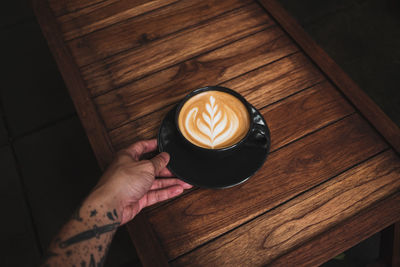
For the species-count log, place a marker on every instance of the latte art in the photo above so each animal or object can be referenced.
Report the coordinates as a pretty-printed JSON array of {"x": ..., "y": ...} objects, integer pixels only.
[{"x": 214, "y": 119}]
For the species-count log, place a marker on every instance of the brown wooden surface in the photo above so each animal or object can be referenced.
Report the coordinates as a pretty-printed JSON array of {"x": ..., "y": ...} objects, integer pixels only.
[
  {"x": 133, "y": 64},
  {"x": 321, "y": 99},
  {"x": 91, "y": 19},
  {"x": 140, "y": 30},
  {"x": 287, "y": 173},
  {"x": 343, "y": 236},
  {"x": 261, "y": 87},
  {"x": 331, "y": 179},
  {"x": 128, "y": 103},
  {"x": 274, "y": 233}
]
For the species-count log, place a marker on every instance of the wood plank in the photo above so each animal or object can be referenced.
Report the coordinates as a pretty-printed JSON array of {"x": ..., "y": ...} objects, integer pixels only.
[
  {"x": 350, "y": 89},
  {"x": 125, "y": 67},
  {"x": 60, "y": 7},
  {"x": 267, "y": 237},
  {"x": 315, "y": 108},
  {"x": 318, "y": 106},
  {"x": 95, "y": 18},
  {"x": 260, "y": 87},
  {"x": 344, "y": 235},
  {"x": 131, "y": 102},
  {"x": 88, "y": 115},
  {"x": 67, "y": 10},
  {"x": 287, "y": 173},
  {"x": 141, "y": 30},
  {"x": 327, "y": 105}
]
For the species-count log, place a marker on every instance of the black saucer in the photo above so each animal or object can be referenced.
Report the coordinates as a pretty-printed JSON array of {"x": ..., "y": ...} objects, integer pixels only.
[{"x": 195, "y": 169}]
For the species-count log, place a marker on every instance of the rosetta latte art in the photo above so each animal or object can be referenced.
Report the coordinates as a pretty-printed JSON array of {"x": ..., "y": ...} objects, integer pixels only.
[
  {"x": 216, "y": 127},
  {"x": 214, "y": 119}
]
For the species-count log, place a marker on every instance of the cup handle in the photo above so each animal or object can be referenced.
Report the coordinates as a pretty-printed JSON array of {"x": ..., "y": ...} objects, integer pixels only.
[
  {"x": 261, "y": 129},
  {"x": 260, "y": 135}
]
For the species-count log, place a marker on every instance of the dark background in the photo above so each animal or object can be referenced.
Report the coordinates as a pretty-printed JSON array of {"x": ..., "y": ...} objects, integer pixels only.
[{"x": 47, "y": 165}]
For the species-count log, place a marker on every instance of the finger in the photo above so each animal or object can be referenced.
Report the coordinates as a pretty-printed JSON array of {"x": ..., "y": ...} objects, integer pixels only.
[
  {"x": 159, "y": 162},
  {"x": 155, "y": 196},
  {"x": 165, "y": 173},
  {"x": 163, "y": 183},
  {"x": 139, "y": 148}
]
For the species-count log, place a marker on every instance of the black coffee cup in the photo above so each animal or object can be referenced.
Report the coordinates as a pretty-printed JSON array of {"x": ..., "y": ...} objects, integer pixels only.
[{"x": 254, "y": 128}]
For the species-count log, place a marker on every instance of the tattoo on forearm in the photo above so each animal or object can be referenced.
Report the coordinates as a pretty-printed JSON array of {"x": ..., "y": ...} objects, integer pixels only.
[
  {"x": 99, "y": 249},
  {"x": 110, "y": 216},
  {"x": 92, "y": 263},
  {"x": 103, "y": 258},
  {"x": 93, "y": 213},
  {"x": 89, "y": 234}
]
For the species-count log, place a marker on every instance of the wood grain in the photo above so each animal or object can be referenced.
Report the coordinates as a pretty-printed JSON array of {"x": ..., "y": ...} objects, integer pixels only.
[
  {"x": 287, "y": 173},
  {"x": 94, "y": 128},
  {"x": 181, "y": 52},
  {"x": 345, "y": 84},
  {"x": 260, "y": 241},
  {"x": 100, "y": 16},
  {"x": 60, "y": 7},
  {"x": 327, "y": 106},
  {"x": 344, "y": 235},
  {"x": 261, "y": 87},
  {"x": 128, "y": 66},
  {"x": 141, "y": 30},
  {"x": 164, "y": 88},
  {"x": 69, "y": 9},
  {"x": 317, "y": 107}
]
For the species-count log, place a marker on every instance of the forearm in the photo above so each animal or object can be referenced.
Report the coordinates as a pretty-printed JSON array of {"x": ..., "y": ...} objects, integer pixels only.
[
  {"x": 127, "y": 186},
  {"x": 85, "y": 239}
]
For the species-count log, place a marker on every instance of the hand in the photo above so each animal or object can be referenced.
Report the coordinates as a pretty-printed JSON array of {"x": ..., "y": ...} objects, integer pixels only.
[{"x": 129, "y": 184}]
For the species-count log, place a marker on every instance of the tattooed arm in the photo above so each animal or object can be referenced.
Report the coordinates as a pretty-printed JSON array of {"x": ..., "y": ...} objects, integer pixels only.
[{"x": 126, "y": 187}]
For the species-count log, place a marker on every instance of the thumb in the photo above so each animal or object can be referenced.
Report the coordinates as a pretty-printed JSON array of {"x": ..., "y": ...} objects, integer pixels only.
[{"x": 159, "y": 162}]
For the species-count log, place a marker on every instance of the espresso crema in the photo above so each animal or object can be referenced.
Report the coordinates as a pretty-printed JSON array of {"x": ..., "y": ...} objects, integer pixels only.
[{"x": 214, "y": 119}]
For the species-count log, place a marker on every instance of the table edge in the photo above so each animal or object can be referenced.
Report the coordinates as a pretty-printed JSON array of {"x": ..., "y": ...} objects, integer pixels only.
[
  {"x": 95, "y": 130},
  {"x": 328, "y": 238},
  {"x": 98, "y": 136},
  {"x": 88, "y": 114},
  {"x": 352, "y": 92}
]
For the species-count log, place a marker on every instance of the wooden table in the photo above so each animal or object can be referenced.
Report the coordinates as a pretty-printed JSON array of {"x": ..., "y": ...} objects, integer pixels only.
[{"x": 332, "y": 178}]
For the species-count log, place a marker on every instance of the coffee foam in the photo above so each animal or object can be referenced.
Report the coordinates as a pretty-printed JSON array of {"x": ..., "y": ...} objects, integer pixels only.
[{"x": 214, "y": 119}]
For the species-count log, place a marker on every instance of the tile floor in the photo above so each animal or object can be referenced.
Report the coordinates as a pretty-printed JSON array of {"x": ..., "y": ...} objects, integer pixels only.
[{"x": 47, "y": 165}]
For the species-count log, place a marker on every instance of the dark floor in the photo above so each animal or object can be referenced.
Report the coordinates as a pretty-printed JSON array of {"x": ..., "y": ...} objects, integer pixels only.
[{"x": 47, "y": 166}]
